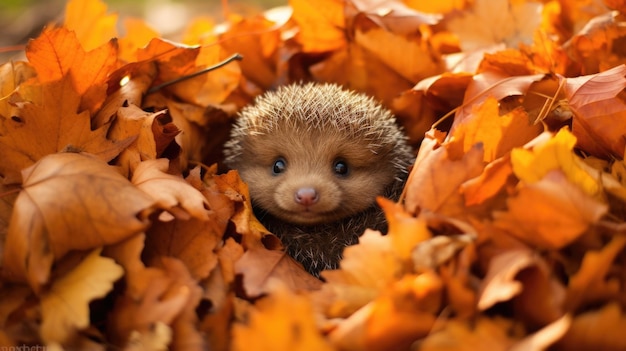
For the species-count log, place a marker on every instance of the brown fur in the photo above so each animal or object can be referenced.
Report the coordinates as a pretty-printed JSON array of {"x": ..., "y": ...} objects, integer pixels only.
[{"x": 311, "y": 127}]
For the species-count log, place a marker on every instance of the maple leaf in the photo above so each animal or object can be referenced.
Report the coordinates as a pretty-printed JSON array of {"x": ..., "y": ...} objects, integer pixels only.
[
  {"x": 498, "y": 134},
  {"x": 555, "y": 153},
  {"x": 63, "y": 195},
  {"x": 57, "y": 54},
  {"x": 45, "y": 127},
  {"x": 65, "y": 306}
]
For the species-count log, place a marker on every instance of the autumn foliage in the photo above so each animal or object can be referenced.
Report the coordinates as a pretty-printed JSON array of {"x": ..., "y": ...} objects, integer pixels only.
[{"x": 120, "y": 230}]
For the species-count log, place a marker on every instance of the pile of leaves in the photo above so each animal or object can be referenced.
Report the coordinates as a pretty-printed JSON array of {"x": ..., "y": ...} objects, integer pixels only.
[{"x": 120, "y": 230}]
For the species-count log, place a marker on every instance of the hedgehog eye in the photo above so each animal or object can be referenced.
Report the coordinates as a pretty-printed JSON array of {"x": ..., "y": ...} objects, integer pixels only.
[
  {"x": 340, "y": 168},
  {"x": 279, "y": 166}
]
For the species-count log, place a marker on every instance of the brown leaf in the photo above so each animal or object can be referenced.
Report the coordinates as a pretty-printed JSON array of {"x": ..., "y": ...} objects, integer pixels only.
[
  {"x": 69, "y": 202},
  {"x": 193, "y": 241},
  {"x": 259, "y": 266},
  {"x": 169, "y": 191}
]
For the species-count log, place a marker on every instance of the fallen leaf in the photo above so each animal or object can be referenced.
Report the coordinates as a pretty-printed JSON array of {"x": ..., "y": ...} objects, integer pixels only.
[
  {"x": 88, "y": 19},
  {"x": 47, "y": 127},
  {"x": 591, "y": 283},
  {"x": 602, "y": 328},
  {"x": 555, "y": 153},
  {"x": 259, "y": 266},
  {"x": 493, "y": 22},
  {"x": 281, "y": 321},
  {"x": 169, "y": 191},
  {"x": 550, "y": 213},
  {"x": 65, "y": 306},
  {"x": 434, "y": 182},
  {"x": 60, "y": 209}
]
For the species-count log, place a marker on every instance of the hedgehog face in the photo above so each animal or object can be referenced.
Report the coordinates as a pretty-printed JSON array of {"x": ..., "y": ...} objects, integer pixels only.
[
  {"x": 317, "y": 178},
  {"x": 316, "y": 153}
]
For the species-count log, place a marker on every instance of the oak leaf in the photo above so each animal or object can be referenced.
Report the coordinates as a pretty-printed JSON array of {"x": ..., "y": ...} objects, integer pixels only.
[
  {"x": 65, "y": 306},
  {"x": 69, "y": 202}
]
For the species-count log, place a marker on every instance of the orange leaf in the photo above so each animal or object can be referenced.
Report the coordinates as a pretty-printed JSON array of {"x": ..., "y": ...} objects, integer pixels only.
[
  {"x": 57, "y": 53},
  {"x": 320, "y": 24},
  {"x": 61, "y": 209},
  {"x": 550, "y": 213},
  {"x": 591, "y": 283},
  {"x": 89, "y": 20},
  {"x": 280, "y": 321},
  {"x": 46, "y": 127},
  {"x": 601, "y": 329},
  {"x": 138, "y": 35},
  {"x": 434, "y": 183},
  {"x": 498, "y": 134}
]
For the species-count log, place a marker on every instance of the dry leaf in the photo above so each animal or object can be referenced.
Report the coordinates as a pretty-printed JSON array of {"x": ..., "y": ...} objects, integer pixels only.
[
  {"x": 69, "y": 202},
  {"x": 280, "y": 321},
  {"x": 65, "y": 306}
]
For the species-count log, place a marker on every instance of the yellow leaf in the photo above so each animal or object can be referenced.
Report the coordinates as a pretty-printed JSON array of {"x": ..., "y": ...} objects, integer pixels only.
[
  {"x": 553, "y": 154},
  {"x": 65, "y": 307}
]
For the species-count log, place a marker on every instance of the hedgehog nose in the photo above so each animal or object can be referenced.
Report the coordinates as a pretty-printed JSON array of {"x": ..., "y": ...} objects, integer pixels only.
[{"x": 306, "y": 196}]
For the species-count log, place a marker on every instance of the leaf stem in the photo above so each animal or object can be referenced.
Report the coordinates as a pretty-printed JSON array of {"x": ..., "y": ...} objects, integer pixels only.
[{"x": 237, "y": 57}]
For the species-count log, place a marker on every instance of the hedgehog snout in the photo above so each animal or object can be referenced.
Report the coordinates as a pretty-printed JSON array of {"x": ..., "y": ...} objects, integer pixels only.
[{"x": 306, "y": 196}]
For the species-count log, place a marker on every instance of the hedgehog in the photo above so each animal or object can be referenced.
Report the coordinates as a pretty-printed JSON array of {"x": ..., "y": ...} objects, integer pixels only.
[{"x": 315, "y": 156}]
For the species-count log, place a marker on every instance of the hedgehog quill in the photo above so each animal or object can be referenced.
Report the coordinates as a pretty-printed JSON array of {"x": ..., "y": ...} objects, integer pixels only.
[{"x": 315, "y": 157}]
